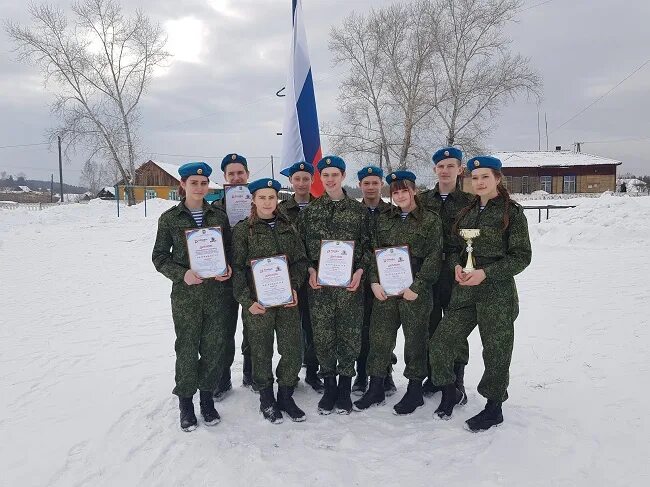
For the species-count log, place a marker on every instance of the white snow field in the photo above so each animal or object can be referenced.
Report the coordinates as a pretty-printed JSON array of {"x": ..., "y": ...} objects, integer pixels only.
[{"x": 87, "y": 359}]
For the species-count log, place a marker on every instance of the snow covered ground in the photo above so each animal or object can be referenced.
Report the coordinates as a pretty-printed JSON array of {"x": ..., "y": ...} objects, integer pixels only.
[{"x": 86, "y": 371}]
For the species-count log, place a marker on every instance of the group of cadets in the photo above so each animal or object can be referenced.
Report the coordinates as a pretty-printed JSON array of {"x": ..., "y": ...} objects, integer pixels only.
[{"x": 338, "y": 333}]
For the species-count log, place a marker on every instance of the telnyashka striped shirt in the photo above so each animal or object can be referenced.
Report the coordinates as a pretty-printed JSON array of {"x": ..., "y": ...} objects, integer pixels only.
[{"x": 198, "y": 216}]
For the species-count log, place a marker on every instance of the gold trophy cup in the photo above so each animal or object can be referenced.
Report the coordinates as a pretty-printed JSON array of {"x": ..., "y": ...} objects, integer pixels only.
[{"x": 469, "y": 234}]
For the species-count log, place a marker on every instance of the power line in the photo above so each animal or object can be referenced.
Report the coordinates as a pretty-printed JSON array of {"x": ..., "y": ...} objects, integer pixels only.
[
  {"x": 630, "y": 139},
  {"x": 536, "y": 5},
  {"x": 203, "y": 157},
  {"x": 602, "y": 96},
  {"x": 23, "y": 145}
]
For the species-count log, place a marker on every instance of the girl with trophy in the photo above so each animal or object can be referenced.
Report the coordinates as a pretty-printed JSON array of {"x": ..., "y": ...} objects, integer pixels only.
[
  {"x": 270, "y": 264},
  {"x": 407, "y": 243},
  {"x": 494, "y": 232},
  {"x": 189, "y": 250}
]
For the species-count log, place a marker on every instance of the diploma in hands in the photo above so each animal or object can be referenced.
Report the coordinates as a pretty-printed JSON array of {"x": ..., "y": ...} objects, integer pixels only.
[
  {"x": 272, "y": 282},
  {"x": 335, "y": 263},
  {"x": 394, "y": 269},
  {"x": 238, "y": 202},
  {"x": 206, "y": 252}
]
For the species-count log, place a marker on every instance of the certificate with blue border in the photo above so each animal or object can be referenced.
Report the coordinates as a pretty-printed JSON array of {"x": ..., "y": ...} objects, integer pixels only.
[
  {"x": 272, "y": 281},
  {"x": 206, "y": 252},
  {"x": 394, "y": 269},
  {"x": 335, "y": 263}
]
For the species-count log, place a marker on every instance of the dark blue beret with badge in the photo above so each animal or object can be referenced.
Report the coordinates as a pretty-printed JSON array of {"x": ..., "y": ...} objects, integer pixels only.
[
  {"x": 483, "y": 161},
  {"x": 370, "y": 171},
  {"x": 297, "y": 167},
  {"x": 264, "y": 183},
  {"x": 194, "y": 169},
  {"x": 447, "y": 153},
  {"x": 400, "y": 176},
  {"x": 331, "y": 161},
  {"x": 232, "y": 158}
]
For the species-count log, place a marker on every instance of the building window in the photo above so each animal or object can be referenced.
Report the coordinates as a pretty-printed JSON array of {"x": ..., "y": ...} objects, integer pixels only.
[
  {"x": 173, "y": 195},
  {"x": 569, "y": 184},
  {"x": 150, "y": 194},
  {"x": 525, "y": 188},
  {"x": 508, "y": 182},
  {"x": 546, "y": 183}
]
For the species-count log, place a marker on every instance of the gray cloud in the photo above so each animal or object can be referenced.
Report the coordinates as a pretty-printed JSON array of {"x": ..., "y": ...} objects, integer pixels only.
[{"x": 227, "y": 102}]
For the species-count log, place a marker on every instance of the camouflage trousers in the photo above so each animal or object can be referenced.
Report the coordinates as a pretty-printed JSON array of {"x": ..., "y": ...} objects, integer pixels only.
[
  {"x": 387, "y": 317},
  {"x": 495, "y": 321},
  {"x": 285, "y": 324},
  {"x": 308, "y": 348},
  {"x": 200, "y": 324},
  {"x": 231, "y": 310},
  {"x": 337, "y": 316},
  {"x": 441, "y": 297}
]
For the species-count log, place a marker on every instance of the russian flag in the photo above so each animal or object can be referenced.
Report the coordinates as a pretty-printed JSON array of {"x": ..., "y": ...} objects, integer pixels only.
[{"x": 300, "y": 134}]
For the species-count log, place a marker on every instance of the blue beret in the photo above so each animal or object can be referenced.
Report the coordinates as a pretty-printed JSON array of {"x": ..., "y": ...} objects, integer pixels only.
[
  {"x": 446, "y": 153},
  {"x": 370, "y": 171},
  {"x": 194, "y": 169},
  {"x": 400, "y": 176},
  {"x": 297, "y": 167},
  {"x": 483, "y": 161},
  {"x": 232, "y": 158},
  {"x": 331, "y": 161},
  {"x": 264, "y": 183}
]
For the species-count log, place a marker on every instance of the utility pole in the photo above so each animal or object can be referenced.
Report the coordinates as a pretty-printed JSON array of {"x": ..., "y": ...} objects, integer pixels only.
[
  {"x": 52, "y": 188},
  {"x": 539, "y": 134},
  {"x": 381, "y": 156},
  {"x": 60, "y": 170},
  {"x": 546, "y": 123},
  {"x": 577, "y": 145},
  {"x": 272, "y": 169}
]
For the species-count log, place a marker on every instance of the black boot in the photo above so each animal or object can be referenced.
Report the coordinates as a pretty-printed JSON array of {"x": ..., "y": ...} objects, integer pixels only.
[
  {"x": 450, "y": 398},
  {"x": 428, "y": 389},
  {"x": 343, "y": 400},
  {"x": 209, "y": 413},
  {"x": 490, "y": 416},
  {"x": 374, "y": 397},
  {"x": 459, "y": 370},
  {"x": 288, "y": 405},
  {"x": 326, "y": 404},
  {"x": 224, "y": 386},
  {"x": 389, "y": 385},
  {"x": 247, "y": 377},
  {"x": 188, "y": 418},
  {"x": 412, "y": 399},
  {"x": 311, "y": 378},
  {"x": 360, "y": 384},
  {"x": 268, "y": 407}
]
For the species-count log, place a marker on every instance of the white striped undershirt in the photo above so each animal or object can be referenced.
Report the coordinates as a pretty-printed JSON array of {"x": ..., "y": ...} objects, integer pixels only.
[
  {"x": 198, "y": 216},
  {"x": 444, "y": 196},
  {"x": 404, "y": 215}
]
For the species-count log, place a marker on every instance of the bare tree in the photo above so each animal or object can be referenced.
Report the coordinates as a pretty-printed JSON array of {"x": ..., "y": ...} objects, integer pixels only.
[
  {"x": 385, "y": 98},
  {"x": 95, "y": 175},
  {"x": 473, "y": 69},
  {"x": 425, "y": 73},
  {"x": 101, "y": 64}
]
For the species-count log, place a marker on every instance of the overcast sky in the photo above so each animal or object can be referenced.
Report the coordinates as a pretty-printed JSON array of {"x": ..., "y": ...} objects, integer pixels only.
[{"x": 230, "y": 57}]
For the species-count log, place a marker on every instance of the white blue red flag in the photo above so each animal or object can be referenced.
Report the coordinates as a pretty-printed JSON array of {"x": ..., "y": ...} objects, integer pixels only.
[{"x": 300, "y": 133}]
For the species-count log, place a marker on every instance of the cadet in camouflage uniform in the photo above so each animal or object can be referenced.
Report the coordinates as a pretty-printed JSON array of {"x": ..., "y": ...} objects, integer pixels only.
[
  {"x": 200, "y": 307},
  {"x": 267, "y": 233},
  {"x": 371, "y": 181},
  {"x": 420, "y": 229},
  {"x": 447, "y": 199},
  {"x": 487, "y": 296},
  {"x": 235, "y": 171},
  {"x": 301, "y": 176},
  {"x": 337, "y": 313}
]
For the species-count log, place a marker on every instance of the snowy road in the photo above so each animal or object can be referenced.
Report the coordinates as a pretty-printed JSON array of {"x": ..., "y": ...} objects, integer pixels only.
[{"x": 86, "y": 370}]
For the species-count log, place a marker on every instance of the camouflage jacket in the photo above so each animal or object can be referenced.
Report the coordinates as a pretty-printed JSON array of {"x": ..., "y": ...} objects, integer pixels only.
[
  {"x": 502, "y": 254},
  {"x": 170, "y": 250},
  {"x": 374, "y": 215},
  {"x": 448, "y": 211},
  {"x": 291, "y": 209},
  {"x": 261, "y": 240},
  {"x": 422, "y": 232},
  {"x": 324, "y": 219}
]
